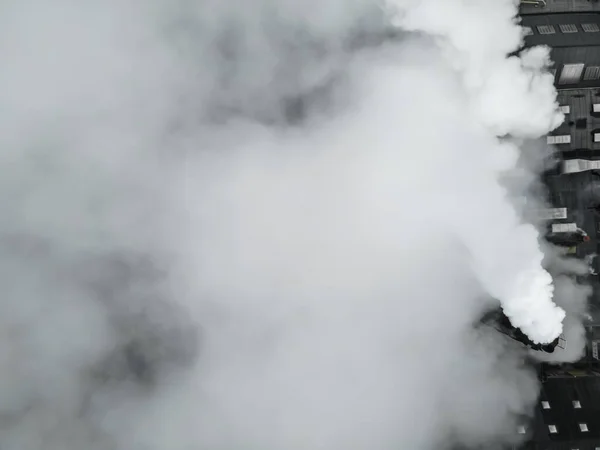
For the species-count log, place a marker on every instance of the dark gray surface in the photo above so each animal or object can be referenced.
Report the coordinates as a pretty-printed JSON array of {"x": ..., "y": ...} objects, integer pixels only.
[
  {"x": 560, "y": 394},
  {"x": 577, "y": 192},
  {"x": 556, "y": 6},
  {"x": 554, "y": 29},
  {"x": 559, "y": 38},
  {"x": 580, "y": 123}
]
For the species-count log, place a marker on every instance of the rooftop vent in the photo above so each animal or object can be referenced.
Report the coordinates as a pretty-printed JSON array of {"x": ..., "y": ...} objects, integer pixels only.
[
  {"x": 546, "y": 29},
  {"x": 562, "y": 139},
  {"x": 571, "y": 73},
  {"x": 568, "y": 28},
  {"x": 591, "y": 73},
  {"x": 580, "y": 165},
  {"x": 553, "y": 213},
  {"x": 564, "y": 228}
]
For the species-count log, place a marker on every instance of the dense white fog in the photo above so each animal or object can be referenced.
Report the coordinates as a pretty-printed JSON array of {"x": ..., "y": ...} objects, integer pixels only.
[{"x": 269, "y": 225}]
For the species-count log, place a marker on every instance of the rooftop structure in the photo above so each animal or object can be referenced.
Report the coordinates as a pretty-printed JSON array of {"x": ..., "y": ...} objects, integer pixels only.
[
  {"x": 574, "y": 184},
  {"x": 558, "y": 6},
  {"x": 567, "y": 416},
  {"x": 575, "y": 41}
]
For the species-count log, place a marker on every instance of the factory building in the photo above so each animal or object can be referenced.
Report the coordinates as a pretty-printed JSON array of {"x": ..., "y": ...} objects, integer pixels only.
[{"x": 567, "y": 415}]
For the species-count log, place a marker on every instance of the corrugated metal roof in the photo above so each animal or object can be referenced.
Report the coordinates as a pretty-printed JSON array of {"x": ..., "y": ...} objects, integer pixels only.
[{"x": 558, "y": 6}]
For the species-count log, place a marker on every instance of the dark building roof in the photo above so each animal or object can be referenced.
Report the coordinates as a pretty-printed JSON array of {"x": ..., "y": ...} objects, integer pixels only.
[
  {"x": 567, "y": 416},
  {"x": 575, "y": 42},
  {"x": 558, "y": 6},
  {"x": 563, "y": 30},
  {"x": 582, "y": 122}
]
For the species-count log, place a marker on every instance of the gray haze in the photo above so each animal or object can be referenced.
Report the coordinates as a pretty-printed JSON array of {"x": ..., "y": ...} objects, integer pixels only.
[{"x": 247, "y": 225}]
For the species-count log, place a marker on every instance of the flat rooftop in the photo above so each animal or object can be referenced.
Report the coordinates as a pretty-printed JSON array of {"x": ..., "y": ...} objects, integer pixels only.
[{"x": 558, "y": 6}]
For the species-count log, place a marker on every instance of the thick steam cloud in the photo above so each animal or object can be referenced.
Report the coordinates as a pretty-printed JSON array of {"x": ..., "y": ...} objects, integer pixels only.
[
  {"x": 512, "y": 96},
  {"x": 266, "y": 225}
]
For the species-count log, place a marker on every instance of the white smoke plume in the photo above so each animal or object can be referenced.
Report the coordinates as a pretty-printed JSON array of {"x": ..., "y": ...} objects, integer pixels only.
[
  {"x": 265, "y": 225},
  {"x": 512, "y": 96},
  {"x": 570, "y": 275}
]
